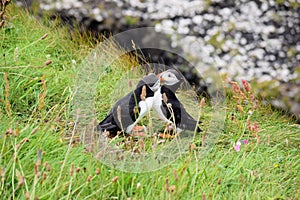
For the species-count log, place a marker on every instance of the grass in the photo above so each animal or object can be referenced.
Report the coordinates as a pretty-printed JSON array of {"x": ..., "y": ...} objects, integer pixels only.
[{"x": 39, "y": 161}]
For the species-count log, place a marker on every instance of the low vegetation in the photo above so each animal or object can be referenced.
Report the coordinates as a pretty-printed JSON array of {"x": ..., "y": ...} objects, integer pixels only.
[{"x": 255, "y": 157}]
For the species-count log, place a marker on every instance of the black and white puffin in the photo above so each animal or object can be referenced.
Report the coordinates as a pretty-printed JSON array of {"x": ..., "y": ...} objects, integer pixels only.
[
  {"x": 130, "y": 109},
  {"x": 170, "y": 108}
]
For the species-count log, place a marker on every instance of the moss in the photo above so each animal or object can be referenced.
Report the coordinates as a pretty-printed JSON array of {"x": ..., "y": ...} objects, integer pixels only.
[
  {"x": 130, "y": 20},
  {"x": 214, "y": 41},
  {"x": 266, "y": 89}
]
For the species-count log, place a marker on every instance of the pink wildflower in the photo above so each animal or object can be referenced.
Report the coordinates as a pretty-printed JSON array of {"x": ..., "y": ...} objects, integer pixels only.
[
  {"x": 236, "y": 88},
  {"x": 245, "y": 141},
  {"x": 237, "y": 146},
  {"x": 246, "y": 85}
]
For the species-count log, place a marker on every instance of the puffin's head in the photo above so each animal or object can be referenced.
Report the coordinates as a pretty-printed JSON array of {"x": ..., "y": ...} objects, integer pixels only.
[
  {"x": 152, "y": 81},
  {"x": 171, "y": 78}
]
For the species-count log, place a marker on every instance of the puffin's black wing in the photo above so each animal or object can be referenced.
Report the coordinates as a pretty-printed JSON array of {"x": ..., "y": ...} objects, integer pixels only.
[
  {"x": 111, "y": 122},
  {"x": 183, "y": 119},
  {"x": 126, "y": 110}
]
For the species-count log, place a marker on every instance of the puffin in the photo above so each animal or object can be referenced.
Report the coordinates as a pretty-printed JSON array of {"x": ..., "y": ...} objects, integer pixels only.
[
  {"x": 130, "y": 109},
  {"x": 170, "y": 109}
]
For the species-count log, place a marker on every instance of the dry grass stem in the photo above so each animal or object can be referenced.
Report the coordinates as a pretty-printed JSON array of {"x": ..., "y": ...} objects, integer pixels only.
[{"x": 143, "y": 94}]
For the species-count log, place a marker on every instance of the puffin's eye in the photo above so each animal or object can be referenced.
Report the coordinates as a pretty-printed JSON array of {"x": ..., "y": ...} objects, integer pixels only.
[{"x": 169, "y": 75}]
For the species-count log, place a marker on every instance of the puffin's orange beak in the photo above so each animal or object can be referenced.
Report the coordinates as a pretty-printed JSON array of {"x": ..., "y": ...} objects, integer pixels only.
[{"x": 160, "y": 79}]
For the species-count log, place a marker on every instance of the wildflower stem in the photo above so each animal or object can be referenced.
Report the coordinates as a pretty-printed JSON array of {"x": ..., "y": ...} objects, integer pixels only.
[
  {"x": 6, "y": 96},
  {"x": 32, "y": 43},
  {"x": 196, "y": 172},
  {"x": 97, "y": 191},
  {"x": 13, "y": 169},
  {"x": 70, "y": 187},
  {"x": 2, "y": 153},
  {"x": 25, "y": 182},
  {"x": 36, "y": 176},
  {"x": 82, "y": 186},
  {"x": 66, "y": 157}
]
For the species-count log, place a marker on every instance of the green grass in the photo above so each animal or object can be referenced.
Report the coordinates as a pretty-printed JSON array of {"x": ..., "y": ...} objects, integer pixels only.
[{"x": 37, "y": 160}]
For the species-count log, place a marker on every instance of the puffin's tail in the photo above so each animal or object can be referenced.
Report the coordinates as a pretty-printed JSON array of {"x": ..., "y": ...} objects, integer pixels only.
[
  {"x": 107, "y": 124},
  {"x": 189, "y": 123}
]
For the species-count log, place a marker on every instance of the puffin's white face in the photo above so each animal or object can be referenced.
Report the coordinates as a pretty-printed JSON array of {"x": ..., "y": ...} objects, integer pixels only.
[
  {"x": 156, "y": 86},
  {"x": 168, "y": 78}
]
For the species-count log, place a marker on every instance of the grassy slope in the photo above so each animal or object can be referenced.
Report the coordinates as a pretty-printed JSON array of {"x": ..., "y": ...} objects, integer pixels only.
[{"x": 267, "y": 167}]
